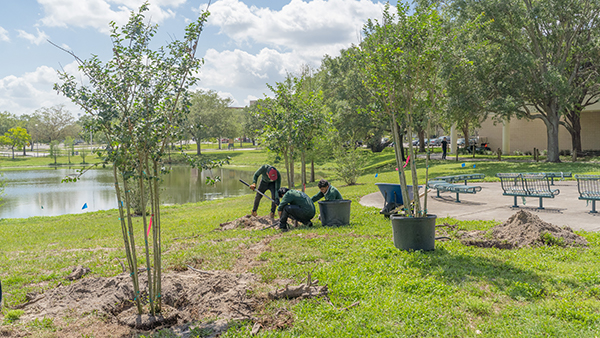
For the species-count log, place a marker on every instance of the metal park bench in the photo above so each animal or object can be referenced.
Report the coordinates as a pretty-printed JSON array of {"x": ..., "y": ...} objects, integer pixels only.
[
  {"x": 460, "y": 178},
  {"x": 444, "y": 186},
  {"x": 553, "y": 175},
  {"x": 589, "y": 189},
  {"x": 527, "y": 185}
]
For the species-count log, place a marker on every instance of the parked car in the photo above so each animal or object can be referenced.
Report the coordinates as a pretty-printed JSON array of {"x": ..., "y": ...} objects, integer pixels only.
[{"x": 461, "y": 141}]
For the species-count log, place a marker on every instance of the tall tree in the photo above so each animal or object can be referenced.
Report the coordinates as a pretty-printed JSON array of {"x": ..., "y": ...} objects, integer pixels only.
[
  {"x": 350, "y": 102},
  {"x": 55, "y": 123},
  {"x": 7, "y": 121},
  {"x": 209, "y": 117},
  {"x": 538, "y": 49}
]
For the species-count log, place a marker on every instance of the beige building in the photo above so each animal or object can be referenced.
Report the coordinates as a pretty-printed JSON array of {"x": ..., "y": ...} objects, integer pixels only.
[{"x": 524, "y": 135}]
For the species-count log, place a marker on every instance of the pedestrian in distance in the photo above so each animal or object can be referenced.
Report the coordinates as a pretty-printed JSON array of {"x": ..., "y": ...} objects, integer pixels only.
[
  {"x": 295, "y": 205},
  {"x": 328, "y": 191},
  {"x": 270, "y": 179},
  {"x": 444, "y": 148}
]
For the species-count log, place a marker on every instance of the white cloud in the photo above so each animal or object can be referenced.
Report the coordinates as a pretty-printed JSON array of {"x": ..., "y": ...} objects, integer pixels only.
[
  {"x": 239, "y": 68},
  {"x": 4, "y": 35},
  {"x": 31, "y": 91},
  {"x": 319, "y": 24},
  {"x": 38, "y": 39},
  {"x": 98, "y": 13}
]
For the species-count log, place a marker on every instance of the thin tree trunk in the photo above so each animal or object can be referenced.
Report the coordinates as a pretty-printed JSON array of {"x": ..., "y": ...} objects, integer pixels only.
[
  {"x": 198, "y": 151},
  {"x": 292, "y": 169},
  {"x": 303, "y": 168},
  {"x": 287, "y": 168},
  {"x": 312, "y": 170},
  {"x": 128, "y": 240},
  {"x": 400, "y": 164}
]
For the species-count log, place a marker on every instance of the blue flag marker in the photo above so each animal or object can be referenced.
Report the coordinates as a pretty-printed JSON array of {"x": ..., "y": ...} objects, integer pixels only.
[
  {"x": 84, "y": 206},
  {"x": 463, "y": 165},
  {"x": 376, "y": 175},
  {"x": 473, "y": 166}
]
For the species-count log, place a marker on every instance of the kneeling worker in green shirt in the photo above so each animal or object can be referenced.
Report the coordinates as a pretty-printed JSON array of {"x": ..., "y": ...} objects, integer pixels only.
[
  {"x": 296, "y": 205},
  {"x": 328, "y": 191}
]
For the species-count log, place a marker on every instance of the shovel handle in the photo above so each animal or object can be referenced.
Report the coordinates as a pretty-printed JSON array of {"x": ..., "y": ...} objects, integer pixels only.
[{"x": 258, "y": 191}]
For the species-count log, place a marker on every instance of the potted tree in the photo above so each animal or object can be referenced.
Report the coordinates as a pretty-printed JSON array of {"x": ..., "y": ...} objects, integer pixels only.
[{"x": 400, "y": 59}]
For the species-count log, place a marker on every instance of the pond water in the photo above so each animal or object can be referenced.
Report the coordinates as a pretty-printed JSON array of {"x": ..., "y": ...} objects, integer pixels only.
[{"x": 31, "y": 193}]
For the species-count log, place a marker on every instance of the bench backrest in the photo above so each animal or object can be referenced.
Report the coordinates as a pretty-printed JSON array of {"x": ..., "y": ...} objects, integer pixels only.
[
  {"x": 512, "y": 182},
  {"x": 588, "y": 185},
  {"x": 537, "y": 184}
]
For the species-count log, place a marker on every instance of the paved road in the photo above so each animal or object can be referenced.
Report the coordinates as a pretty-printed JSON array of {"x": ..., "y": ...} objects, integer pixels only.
[{"x": 489, "y": 204}]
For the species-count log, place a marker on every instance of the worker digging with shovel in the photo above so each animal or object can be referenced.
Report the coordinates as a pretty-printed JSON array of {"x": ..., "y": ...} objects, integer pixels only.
[{"x": 270, "y": 179}]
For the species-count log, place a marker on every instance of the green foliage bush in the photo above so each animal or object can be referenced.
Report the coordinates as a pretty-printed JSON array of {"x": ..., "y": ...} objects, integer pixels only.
[{"x": 347, "y": 164}]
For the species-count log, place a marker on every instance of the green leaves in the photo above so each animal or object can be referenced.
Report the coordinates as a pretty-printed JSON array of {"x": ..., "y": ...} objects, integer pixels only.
[{"x": 138, "y": 99}]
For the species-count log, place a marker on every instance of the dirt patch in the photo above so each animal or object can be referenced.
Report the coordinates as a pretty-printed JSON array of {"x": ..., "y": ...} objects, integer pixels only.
[
  {"x": 195, "y": 303},
  {"x": 249, "y": 222},
  {"x": 521, "y": 230}
]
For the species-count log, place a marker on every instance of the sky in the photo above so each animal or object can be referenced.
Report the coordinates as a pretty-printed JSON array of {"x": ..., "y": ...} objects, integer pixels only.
[{"x": 245, "y": 45}]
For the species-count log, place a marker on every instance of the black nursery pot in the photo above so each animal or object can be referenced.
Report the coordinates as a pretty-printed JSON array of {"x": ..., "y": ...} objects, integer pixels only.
[
  {"x": 335, "y": 213},
  {"x": 414, "y": 233}
]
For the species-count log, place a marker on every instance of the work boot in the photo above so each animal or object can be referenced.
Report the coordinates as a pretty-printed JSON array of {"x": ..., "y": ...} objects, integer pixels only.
[
  {"x": 309, "y": 224},
  {"x": 272, "y": 215},
  {"x": 254, "y": 213},
  {"x": 282, "y": 226}
]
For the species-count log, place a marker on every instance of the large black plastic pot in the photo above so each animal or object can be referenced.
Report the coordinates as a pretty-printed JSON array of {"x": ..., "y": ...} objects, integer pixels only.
[
  {"x": 414, "y": 233},
  {"x": 335, "y": 213}
]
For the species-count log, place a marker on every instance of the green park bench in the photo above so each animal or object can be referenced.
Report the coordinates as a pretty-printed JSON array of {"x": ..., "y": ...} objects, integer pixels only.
[
  {"x": 460, "y": 178},
  {"x": 589, "y": 189},
  {"x": 553, "y": 175},
  {"x": 527, "y": 185},
  {"x": 445, "y": 186}
]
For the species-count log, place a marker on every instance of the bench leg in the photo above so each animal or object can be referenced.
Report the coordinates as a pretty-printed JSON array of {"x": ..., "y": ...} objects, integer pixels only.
[
  {"x": 438, "y": 194},
  {"x": 515, "y": 205},
  {"x": 541, "y": 206},
  {"x": 593, "y": 207},
  {"x": 457, "y": 199}
]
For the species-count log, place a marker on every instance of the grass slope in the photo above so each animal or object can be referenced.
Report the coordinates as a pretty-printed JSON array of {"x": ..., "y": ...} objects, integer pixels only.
[{"x": 453, "y": 291}]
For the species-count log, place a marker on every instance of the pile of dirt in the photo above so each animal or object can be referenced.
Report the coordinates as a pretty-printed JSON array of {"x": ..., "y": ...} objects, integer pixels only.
[
  {"x": 521, "y": 230},
  {"x": 249, "y": 222}
]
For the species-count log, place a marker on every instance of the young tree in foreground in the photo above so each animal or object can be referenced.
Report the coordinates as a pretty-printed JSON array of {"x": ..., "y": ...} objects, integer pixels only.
[
  {"x": 401, "y": 59},
  {"x": 137, "y": 99}
]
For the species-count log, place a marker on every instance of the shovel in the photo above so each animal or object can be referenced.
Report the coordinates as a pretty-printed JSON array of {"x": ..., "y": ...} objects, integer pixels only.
[{"x": 269, "y": 198}]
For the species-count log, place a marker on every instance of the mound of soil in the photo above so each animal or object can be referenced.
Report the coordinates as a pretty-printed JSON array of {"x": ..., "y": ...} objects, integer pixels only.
[
  {"x": 521, "y": 230},
  {"x": 249, "y": 222}
]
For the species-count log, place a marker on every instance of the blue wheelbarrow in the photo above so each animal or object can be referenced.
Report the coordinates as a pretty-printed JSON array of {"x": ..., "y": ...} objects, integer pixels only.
[{"x": 392, "y": 197}]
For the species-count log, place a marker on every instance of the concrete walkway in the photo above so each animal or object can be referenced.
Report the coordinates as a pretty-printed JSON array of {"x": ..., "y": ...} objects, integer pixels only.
[{"x": 490, "y": 204}]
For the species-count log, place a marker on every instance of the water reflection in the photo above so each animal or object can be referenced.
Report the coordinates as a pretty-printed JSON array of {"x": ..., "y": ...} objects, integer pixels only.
[{"x": 40, "y": 192}]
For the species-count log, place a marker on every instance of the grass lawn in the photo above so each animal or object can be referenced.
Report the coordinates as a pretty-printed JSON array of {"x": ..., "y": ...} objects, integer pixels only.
[{"x": 454, "y": 291}]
